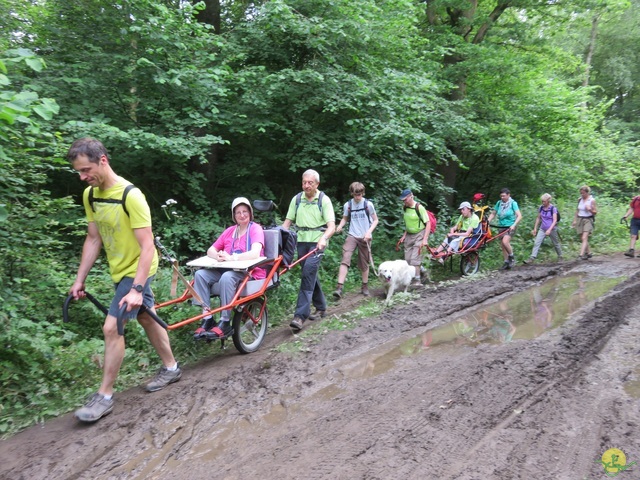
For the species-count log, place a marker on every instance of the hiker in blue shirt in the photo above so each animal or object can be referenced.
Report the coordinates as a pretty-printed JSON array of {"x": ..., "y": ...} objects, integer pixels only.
[{"x": 509, "y": 216}]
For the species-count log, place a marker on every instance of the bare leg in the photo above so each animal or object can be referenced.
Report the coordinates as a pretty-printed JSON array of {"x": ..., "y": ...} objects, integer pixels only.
[
  {"x": 507, "y": 251},
  {"x": 365, "y": 275},
  {"x": 342, "y": 273},
  {"x": 113, "y": 355},
  {"x": 159, "y": 338},
  {"x": 584, "y": 247}
]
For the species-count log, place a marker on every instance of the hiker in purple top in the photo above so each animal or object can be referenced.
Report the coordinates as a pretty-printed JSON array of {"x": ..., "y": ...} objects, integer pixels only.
[{"x": 547, "y": 220}]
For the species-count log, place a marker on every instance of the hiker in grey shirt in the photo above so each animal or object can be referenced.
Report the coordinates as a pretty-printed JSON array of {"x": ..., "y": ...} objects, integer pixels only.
[{"x": 362, "y": 218}]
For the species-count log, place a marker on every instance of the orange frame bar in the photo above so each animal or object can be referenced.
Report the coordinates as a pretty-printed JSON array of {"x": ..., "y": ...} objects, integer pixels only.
[{"x": 235, "y": 301}]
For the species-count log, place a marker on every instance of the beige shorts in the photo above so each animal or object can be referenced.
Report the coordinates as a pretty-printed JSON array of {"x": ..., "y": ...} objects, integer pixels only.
[
  {"x": 584, "y": 224},
  {"x": 412, "y": 253}
]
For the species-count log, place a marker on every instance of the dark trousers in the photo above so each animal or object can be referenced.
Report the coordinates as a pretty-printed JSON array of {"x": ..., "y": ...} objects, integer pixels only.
[{"x": 310, "y": 289}]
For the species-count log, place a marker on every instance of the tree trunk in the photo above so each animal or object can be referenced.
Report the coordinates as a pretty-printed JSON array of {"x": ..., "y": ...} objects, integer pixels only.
[
  {"x": 211, "y": 14},
  {"x": 590, "y": 50}
]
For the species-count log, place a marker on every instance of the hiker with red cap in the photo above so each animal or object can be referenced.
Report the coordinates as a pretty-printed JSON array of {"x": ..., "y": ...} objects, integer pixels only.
[{"x": 478, "y": 207}]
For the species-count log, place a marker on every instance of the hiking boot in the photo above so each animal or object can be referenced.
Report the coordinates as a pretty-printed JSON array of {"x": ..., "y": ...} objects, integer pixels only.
[
  {"x": 96, "y": 408},
  {"x": 365, "y": 290},
  {"x": 584, "y": 257},
  {"x": 512, "y": 261},
  {"x": 318, "y": 314},
  {"x": 415, "y": 282},
  {"x": 529, "y": 260},
  {"x": 505, "y": 266},
  {"x": 206, "y": 324},
  {"x": 297, "y": 323},
  {"x": 589, "y": 255},
  {"x": 630, "y": 253},
  {"x": 338, "y": 293},
  {"x": 163, "y": 378},
  {"x": 220, "y": 331}
]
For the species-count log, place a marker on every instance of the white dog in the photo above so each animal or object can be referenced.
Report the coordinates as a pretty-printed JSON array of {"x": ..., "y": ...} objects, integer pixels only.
[{"x": 395, "y": 275}]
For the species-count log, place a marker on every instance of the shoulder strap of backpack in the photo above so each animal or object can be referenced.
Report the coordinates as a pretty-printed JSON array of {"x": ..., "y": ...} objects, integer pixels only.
[
  {"x": 91, "y": 199},
  {"x": 420, "y": 220},
  {"x": 127, "y": 189},
  {"x": 299, "y": 199},
  {"x": 122, "y": 201}
]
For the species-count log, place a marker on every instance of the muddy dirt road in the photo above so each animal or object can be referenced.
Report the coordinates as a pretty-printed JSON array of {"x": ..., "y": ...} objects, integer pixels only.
[{"x": 528, "y": 374}]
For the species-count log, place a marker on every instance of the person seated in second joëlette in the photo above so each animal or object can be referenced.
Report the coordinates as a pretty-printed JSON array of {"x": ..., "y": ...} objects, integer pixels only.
[
  {"x": 242, "y": 241},
  {"x": 465, "y": 226}
]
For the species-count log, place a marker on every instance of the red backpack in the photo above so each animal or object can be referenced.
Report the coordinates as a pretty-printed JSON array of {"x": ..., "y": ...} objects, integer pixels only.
[{"x": 432, "y": 218}]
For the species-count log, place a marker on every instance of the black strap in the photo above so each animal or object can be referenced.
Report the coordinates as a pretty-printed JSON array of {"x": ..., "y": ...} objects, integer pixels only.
[{"x": 122, "y": 201}]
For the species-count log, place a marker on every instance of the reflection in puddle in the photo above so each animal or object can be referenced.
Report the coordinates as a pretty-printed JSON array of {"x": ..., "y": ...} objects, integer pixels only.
[
  {"x": 522, "y": 316},
  {"x": 632, "y": 387}
]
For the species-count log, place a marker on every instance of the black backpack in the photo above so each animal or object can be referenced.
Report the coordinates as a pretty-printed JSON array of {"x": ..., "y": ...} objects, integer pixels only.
[{"x": 287, "y": 245}]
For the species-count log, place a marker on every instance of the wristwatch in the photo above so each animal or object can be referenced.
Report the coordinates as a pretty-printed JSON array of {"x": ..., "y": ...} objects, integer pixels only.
[{"x": 137, "y": 287}]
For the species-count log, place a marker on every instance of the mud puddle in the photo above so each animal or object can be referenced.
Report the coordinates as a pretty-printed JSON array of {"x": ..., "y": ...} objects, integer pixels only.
[{"x": 522, "y": 316}]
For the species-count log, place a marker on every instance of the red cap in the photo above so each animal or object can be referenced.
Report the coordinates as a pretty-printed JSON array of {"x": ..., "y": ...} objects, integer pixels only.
[{"x": 477, "y": 197}]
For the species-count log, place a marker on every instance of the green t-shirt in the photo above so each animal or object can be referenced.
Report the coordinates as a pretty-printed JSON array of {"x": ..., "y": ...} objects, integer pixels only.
[
  {"x": 463, "y": 224},
  {"x": 413, "y": 223},
  {"x": 116, "y": 228},
  {"x": 309, "y": 217}
]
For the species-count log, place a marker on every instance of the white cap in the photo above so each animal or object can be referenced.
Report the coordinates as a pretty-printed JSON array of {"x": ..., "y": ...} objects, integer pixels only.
[
  {"x": 464, "y": 205},
  {"x": 238, "y": 201}
]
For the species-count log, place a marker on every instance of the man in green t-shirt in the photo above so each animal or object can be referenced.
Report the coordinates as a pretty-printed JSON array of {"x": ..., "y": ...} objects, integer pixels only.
[
  {"x": 124, "y": 229},
  {"x": 416, "y": 233},
  {"x": 312, "y": 212}
]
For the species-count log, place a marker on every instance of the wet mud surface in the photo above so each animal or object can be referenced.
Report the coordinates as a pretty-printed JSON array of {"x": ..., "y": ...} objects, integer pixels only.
[{"x": 527, "y": 374}]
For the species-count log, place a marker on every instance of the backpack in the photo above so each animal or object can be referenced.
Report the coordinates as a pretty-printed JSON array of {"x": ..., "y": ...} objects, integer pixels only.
[
  {"x": 122, "y": 201},
  {"x": 365, "y": 208},
  {"x": 432, "y": 218},
  {"x": 287, "y": 245},
  {"x": 557, "y": 212}
]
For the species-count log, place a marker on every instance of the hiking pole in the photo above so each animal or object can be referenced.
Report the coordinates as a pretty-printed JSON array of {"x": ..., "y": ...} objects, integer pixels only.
[{"x": 626, "y": 223}]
